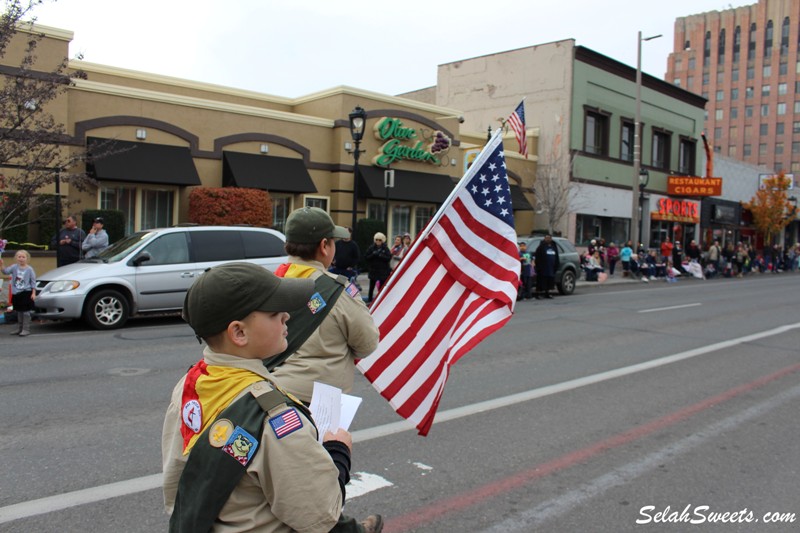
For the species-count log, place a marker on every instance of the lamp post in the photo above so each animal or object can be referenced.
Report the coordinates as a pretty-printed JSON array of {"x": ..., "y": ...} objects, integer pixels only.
[
  {"x": 637, "y": 141},
  {"x": 644, "y": 179},
  {"x": 358, "y": 121}
]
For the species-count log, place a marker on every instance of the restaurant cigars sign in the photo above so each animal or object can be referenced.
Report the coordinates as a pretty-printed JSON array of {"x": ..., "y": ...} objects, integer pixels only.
[
  {"x": 693, "y": 186},
  {"x": 405, "y": 144}
]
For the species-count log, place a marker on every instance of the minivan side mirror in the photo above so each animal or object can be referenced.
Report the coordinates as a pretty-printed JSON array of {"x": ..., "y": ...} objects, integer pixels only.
[{"x": 141, "y": 258}]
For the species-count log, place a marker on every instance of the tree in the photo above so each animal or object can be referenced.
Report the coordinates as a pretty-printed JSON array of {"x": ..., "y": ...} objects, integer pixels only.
[
  {"x": 35, "y": 148},
  {"x": 772, "y": 211},
  {"x": 555, "y": 194}
]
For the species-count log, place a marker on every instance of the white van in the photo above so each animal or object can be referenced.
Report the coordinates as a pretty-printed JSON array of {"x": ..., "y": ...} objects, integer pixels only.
[{"x": 149, "y": 272}]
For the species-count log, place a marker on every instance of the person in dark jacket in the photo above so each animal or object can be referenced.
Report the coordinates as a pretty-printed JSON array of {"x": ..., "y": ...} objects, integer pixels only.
[
  {"x": 68, "y": 242},
  {"x": 345, "y": 259},
  {"x": 546, "y": 264},
  {"x": 378, "y": 256}
]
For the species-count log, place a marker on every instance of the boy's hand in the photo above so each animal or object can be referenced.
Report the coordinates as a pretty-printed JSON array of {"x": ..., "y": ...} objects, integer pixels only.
[{"x": 342, "y": 436}]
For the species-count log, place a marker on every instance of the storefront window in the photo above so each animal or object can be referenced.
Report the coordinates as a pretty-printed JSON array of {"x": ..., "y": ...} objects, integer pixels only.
[
  {"x": 157, "y": 208},
  {"x": 122, "y": 199},
  {"x": 401, "y": 219},
  {"x": 612, "y": 229},
  {"x": 317, "y": 201},
  {"x": 422, "y": 215},
  {"x": 281, "y": 207},
  {"x": 376, "y": 211}
]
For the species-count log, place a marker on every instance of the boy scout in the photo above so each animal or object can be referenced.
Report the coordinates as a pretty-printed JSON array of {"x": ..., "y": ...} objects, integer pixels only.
[
  {"x": 328, "y": 335},
  {"x": 239, "y": 454}
]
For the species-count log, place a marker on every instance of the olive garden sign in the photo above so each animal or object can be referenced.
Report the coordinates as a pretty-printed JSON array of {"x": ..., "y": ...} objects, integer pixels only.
[{"x": 404, "y": 144}]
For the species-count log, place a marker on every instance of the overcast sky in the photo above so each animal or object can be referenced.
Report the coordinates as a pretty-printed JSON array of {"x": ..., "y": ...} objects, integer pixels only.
[{"x": 295, "y": 47}]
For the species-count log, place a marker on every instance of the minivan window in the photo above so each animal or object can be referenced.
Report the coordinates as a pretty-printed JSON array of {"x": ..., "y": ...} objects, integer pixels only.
[
  {"x": 168, "y": 249},
  {"x": 120, "y": 249},
  {"x": 261, "y": 244},
  {"x": 217, "y": 246}
]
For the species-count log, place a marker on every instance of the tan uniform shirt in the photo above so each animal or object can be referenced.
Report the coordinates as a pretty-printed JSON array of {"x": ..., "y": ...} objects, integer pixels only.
[
  {"x": 328, "y": 355},
  {"x": 291, "y": 484}
]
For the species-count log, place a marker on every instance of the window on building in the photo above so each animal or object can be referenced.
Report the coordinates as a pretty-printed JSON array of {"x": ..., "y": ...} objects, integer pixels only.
[
  {"x": 734, "y": 113},
  {"x": 401, "y": 219},
  {"x": 157, "y": 208},
  {"x": 778, "y": 166},
  {"x": 763, "y": 129},
  {"x": 686, "y": 156},
  {"x": 768, "y": 40},
  {"x": 796, "y": 147},
  {"x": 732, "y": 150},
  {"x": 746, "y": 150},
  {"x": 748, "y": 131},
  {"x": 721, "y": 47},
  {"x": 765, "y": 89},
  {"x": 785, "y": 37},
  {"x": 796, "y": 127},
  {"x": 720, "y": 77},
  {"x": 766, "y": 71},
  {"x": 734, "y": 94},
  {"x": 737, "y": 43},
  {"x": 719, "y": 114},
  {"x": 121, "y": 199},
  {"x": 781, "y": 108},
  {"x": 778, "y": 148},
  {"x": 691, "y": 64},
  {"x": 661, "y": 142},
  {"x": 376, "y": 210},
  {"x": 317, "y": 201},
  {"x": 720, "y": 96},
  {"x": 735, "y": 74},
  {"x": 281, "y": 207},
  {"x": 751, "y": 45},
  {"x": 705, "y": 115},
  {"x": 751, "y": 73},
  {"x": 795, "y": 166},
  {"x": 422, "y": 215},
  {"x": 797, "y": 107},
  {"x": 797, "y": 67},
  {"x": 779, "y": 128},
  {"x": 717, "y": 133},
  {"x": 749, "y": 92},
  {"x": 626, "y": 143},
  {"x": 733, "y": 132},
  {"x": 782, "y": 88},
  {"x": 707, "y": 48},
  {"x": 764, "y": 110},
  {"x": 596, "y": 133},
  {"x": 705, "y": 78},
  {"x": 748, "y": 111},
  {"x": 689, "y": 82},
  {"x": 783, "y": 68},
  {"x": 762, "y": 149}
]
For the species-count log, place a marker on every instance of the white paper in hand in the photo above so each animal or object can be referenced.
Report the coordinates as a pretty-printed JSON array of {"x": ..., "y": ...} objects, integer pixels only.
[{"x": 332, "y": 409}]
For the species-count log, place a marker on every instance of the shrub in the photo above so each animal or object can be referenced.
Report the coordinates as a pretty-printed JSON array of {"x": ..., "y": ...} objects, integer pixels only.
[{"x": 229, "y": 206}]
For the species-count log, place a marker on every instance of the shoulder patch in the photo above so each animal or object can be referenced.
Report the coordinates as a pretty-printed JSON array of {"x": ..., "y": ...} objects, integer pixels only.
[
  {"x": 353, "y": 291},
  {"x": 220, "y": 432},
  {"x": 192, "y": 414},
  {"x": 286, "y": 423},
  {"x": 316, "y": 303},
  {"x": 241, "y": 446}
]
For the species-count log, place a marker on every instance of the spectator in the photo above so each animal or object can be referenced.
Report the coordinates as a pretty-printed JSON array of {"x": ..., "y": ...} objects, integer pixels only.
[
  {"x": 666, "y": 250},
  {"x": 625, "y": 256},
  {"x": 378, "y": 256},
  {"x": 612, "y": 253},
  {"x": 67, "y": 242},
  {"x": 677, "y": 257},
  {"x": 346, "y": 257},
  {"x": 714, "y": 255},
  {"x": 526, "y": 272},
  {"x": 23, "y": 290},
  {"x": 96, "y": 241},
  {"x": 546, "y": 264},
  {"x": 693, "y": 251},
  {"x": 397, "y": 252},
  {"x": 594, "y": 266}
]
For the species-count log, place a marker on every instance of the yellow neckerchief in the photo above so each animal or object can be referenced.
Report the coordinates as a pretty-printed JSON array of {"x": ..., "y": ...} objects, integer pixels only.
[
  {"x": 291, "y": 270},
  {"x": 216, "y": 390}
]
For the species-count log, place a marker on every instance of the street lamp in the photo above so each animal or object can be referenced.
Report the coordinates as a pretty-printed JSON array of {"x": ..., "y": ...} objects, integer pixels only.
[
  {"x": 644, "y": 179},
  {"x": 358, "y": 121},
  {"x": 637, "y": 141}
]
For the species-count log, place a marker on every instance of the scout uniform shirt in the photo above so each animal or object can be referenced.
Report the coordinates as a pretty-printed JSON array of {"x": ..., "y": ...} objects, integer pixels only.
[
  {"x": 290, "y": 483},
  {"x": 329, "y": 354}
]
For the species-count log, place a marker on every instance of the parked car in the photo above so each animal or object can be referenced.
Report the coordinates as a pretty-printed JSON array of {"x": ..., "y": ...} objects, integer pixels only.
[
  {"x": 569, "y": 261},
  {"x": 149, "y": 272}
]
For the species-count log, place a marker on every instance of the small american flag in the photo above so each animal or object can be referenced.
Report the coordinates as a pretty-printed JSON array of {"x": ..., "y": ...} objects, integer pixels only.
[
  {"x": 285, "y": 423},
  {"x": 517, "y": 123},
  {"x": 456, "y": 286}
]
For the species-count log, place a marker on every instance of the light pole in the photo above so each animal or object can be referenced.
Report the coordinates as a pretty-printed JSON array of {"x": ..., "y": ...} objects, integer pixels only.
[
  {"x": 358, "y": 121},
  {"x": 644, "y": 179},
  {"x": 637, "y": 140}
]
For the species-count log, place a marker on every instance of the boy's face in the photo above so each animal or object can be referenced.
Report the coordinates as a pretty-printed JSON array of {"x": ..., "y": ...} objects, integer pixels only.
[{"x": 266, "y": 333}]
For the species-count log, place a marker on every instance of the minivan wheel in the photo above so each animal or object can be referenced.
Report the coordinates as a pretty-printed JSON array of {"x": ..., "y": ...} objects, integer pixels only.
[
  {"x": 567, "y": 285},
  {"x": 107, "y": 309}
]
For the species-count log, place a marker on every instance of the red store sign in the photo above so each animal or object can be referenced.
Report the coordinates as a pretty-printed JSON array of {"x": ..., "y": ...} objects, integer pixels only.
[{"x": 677, "y": 211}]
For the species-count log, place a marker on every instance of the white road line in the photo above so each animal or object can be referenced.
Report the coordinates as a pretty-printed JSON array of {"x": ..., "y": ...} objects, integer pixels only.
[
  {"x": 364, "y": 482},
  {"x": 123, "y": 488},
  {"x": 564, "y": 503},
  {"x": 668, "y": 308}
]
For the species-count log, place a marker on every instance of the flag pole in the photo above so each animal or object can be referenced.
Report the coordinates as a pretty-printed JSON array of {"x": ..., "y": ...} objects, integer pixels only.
[{"x": 483, "y": 155}]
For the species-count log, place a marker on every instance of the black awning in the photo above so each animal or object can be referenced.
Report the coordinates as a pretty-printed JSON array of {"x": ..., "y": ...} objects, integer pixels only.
[
  {"x": 408, "y": 186},
  {"x": 266, "y": 172},
  {"x": 142, "y": 162},
  {"x": 518, "y": 200}
]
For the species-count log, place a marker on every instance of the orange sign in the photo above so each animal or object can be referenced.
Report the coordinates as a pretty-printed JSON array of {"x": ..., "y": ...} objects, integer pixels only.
[
  {"x": 693, "y": 186},
  {"x": 677, "y": 211}
]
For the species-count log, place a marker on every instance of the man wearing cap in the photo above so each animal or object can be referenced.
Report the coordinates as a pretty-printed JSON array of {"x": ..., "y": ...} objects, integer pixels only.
[
  {"x": 239, "y": 454},
  {"x": 67, "y": 242},
  {"x": 335, "y": 328},
  {"x": 96, "y": 241}
]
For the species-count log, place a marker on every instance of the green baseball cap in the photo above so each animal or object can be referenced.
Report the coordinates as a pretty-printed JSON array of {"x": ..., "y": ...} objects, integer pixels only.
[
  {"x": 234, "y": 290},
  {"x": 310, "y": 225}
]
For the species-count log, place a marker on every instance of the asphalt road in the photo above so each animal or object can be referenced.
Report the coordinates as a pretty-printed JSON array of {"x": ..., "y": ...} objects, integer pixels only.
[{"x": 621, "y": 403}]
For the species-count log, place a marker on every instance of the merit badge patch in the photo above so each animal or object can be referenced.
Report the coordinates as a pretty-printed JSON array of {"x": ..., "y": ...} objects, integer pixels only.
[
  {"x": 352, "y": 290},
  {"x": 220, "y": 432},
  {"x": 241, "y": 446},
  {"x": 285, "y": 423},
  {"x": 192, "y": 414},
  {"x": 316, "y": 303}
]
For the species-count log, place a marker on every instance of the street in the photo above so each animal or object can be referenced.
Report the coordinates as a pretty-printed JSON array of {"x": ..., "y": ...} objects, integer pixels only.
[{"x": 670, "y": 405}]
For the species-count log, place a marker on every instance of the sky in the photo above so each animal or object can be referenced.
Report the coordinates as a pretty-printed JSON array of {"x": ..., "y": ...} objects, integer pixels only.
[{"x": 291, "y": 48}]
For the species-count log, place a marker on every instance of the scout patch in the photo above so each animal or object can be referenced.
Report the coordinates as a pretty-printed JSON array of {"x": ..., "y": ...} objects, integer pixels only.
[
  {"x": 192, "y": 414},
  {"x": 241, "y": 446},
  {"x": 316, "y": 303},
  {"x": 352, "y": 290},
  {"x": 285, "y": 423},
  {"x": 220, "y": 432}
]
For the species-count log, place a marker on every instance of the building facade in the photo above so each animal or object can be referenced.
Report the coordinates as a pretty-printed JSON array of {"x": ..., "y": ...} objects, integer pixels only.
[
  {"x": 171, "y": 135},
  {"x": 746, "y": 62}
]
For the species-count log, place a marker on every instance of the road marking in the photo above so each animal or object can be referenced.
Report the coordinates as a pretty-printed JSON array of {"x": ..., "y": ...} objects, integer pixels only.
[
  {"x": 364, "y": 482},
  {"x": 668, "y": 308},
  {"x": 131, "y": 486}
]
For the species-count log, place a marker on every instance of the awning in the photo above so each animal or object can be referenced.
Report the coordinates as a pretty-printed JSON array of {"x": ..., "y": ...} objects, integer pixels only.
[
  {"x": 266, "y": 172},
  {"x": 408, "y": 186},
  {"x": 142, "y": 163},
  {"x": 518, "y": 200}
]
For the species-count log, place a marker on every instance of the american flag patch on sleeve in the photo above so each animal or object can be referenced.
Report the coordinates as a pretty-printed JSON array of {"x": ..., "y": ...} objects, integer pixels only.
[
  {"x": 353, "y": 291},
  {"x": 285, "y": 423}
]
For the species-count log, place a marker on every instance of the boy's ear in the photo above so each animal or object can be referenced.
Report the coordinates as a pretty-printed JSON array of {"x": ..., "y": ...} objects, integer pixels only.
[{"x": 237, "y": 333}]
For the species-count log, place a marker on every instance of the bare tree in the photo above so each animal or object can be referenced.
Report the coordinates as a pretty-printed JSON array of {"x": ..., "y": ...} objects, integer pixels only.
[
  {"x": 555, "y": 194},
  {"x": 35, "y": 149}
]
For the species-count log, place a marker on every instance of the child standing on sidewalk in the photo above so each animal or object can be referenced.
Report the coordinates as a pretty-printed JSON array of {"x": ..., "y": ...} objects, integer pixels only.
[{"x": 23, "y": 290}]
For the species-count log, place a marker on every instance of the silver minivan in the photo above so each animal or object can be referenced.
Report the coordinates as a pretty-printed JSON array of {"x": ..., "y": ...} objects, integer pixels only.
[{"x": 149, "y": 272}]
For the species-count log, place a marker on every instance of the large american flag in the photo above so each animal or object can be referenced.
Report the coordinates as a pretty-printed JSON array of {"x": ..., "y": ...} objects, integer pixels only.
[
  {"x": 457, "y": 285},
  {"x": 517, "y": 123}
]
